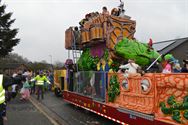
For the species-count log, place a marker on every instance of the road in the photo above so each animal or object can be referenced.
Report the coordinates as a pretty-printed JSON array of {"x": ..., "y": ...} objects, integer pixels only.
[
  {"x": 59, "y": 111},
  {"x": 24, "y": 113},
  {"x": 71, "y": 114}
]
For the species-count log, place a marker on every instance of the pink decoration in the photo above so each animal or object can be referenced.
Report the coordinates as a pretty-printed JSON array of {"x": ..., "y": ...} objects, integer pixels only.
[{"x": 97, "y": 50}]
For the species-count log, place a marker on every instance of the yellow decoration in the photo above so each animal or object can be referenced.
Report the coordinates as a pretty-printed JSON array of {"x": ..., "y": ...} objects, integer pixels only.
[
  {"x": 85, "y": 104},
  {"x": 110, "y": 62},
  {"x": 104, "y": 110},
  {"x": 98, "y": 66}
]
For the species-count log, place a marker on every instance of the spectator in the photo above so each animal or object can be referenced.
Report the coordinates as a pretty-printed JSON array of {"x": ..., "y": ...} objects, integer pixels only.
[
  {"x": 32, "y": 84},
  {"x": 50, "y": 77},
  {"x": 14, "y": 91},
  {"x": 25, "y": 90},
  {"x": 14, "y": 87}
]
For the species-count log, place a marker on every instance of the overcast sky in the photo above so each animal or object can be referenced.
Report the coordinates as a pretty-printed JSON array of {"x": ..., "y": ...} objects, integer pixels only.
[{"x": 42, "y": 23}]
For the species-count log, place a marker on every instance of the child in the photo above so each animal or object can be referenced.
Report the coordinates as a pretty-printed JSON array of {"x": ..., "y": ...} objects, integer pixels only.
[{"x": 25, "y": 93}]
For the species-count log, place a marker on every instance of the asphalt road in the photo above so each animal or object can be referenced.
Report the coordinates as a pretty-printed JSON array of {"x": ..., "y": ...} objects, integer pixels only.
[
  {"x": 24, "y": 113},
  {"x": 71, "y": 114}
]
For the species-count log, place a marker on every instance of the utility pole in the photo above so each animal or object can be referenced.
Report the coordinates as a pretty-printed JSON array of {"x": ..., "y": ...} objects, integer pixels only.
[{"x": 51, "y": 61}]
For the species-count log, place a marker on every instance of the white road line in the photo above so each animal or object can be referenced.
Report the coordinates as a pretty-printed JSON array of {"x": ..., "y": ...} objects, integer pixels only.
[{"x": 43, "y": 112}]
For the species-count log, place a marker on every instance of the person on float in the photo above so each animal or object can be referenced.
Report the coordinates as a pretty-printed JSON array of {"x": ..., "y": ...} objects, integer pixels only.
[
  {"x": 105, "y": 11},
  {"x": 185, "y": 68},
  {"x": 131, "y": 69}
]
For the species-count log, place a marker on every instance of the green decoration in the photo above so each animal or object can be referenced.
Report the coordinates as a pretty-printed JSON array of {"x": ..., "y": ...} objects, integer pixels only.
[
  {"x": 178, "y": 106},
  {"x": 176, "y": 116},
  {"x": 185, "y": 99},
  {"x": 171, "y": 100},
  {"x": 86, "y": 62},
  {"x": 113, "y": 88},
  {"x": 168, "y": 56},
  {"x": 185, "y": 105},
  {"x": 106, "y": 55},
  {"x": 131, "y": 49},
  {"x": 175, "y": 108},
  {"x": 185, "y": 115},
  {"x": 115, "y": 66},
  {"x": 164, "y": 109}
]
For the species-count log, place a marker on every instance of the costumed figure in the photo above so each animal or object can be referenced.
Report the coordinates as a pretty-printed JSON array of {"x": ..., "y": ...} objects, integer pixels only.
[
  {"x": 185, "y": 68},
  {"x": 150, "y": 44},
  {"x": 131, "y": 68},
  {"x": 171, "y": 65},
  {"x": 104, "y": 67},
  {"x": 70, "y": 73}
]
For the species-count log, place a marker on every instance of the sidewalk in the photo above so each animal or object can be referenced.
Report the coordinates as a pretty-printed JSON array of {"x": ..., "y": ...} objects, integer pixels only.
[{"x": 24, "y": 113}]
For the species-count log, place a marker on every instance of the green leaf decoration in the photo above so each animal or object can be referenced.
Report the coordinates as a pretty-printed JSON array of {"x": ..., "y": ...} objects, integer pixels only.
[
  {"x": 185, "y": 106},
  {"x": 177, "y": 110},
  {"x": 113, "y": 88},
  {"x": 176, "y": 116},
  {"x": 185, "y": 99},
  {"x": 171, "y": 100},
  {"x": 185, "y": 115},
  {"x": 86, "y": 62},
  {"x": 133, "y": 49},
  {"x": 177, "y": 106},
  {"x": 115, "y": 66},
  {"x": 164, "y": 109}
]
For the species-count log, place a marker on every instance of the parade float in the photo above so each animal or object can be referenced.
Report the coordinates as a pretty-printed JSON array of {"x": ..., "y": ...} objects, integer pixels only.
[{"x": 147, "y": 99}]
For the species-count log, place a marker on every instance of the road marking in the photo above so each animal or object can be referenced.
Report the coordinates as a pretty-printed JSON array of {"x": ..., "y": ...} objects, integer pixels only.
[{"x": 42, "y": 111}]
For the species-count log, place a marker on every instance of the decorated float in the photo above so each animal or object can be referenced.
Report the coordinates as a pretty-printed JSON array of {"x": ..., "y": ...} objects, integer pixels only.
[{"x": 147, "y": 99}]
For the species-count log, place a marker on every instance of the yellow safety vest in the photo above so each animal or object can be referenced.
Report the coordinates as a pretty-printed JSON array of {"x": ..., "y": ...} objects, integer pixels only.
[
  {"x": 40, "y": 80},
  {"x": 2, "y": 90}
]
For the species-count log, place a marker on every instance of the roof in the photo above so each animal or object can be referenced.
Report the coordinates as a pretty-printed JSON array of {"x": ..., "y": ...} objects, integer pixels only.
[{"x": 164, "y": 47}]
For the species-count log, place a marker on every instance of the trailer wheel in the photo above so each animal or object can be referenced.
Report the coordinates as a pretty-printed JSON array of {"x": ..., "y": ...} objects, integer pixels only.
[{"x": 57, "y": 92}]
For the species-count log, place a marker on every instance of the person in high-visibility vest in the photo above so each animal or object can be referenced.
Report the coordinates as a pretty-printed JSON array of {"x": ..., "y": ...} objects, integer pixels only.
[
  {"x": 5, "y": 82},
  {"x": 2, "y": 101},
  {"x": 39, "y": 83}
]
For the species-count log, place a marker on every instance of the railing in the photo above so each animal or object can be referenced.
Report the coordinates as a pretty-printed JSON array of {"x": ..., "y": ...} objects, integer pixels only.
[{"x": 90, "y": 83}]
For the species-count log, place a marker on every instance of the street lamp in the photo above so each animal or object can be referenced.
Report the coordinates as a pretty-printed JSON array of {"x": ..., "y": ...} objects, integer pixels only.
[{"x": 51, "y": 61}]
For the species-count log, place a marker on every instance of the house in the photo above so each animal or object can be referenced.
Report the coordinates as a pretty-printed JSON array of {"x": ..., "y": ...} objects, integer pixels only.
[
  {"x": 177, "y": 47},
  {"x": 10, "y": 68}
]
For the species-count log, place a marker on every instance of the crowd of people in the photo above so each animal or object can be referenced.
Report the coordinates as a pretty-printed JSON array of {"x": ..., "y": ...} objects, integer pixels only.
[
  {"x": 120, "y": 12},
  {"x": 167, "y": 66},
  {"x": 23, "y": 83}
]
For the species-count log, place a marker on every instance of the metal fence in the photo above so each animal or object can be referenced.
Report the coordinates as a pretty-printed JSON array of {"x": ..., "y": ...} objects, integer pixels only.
[{"x": 92, "y": 84}]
